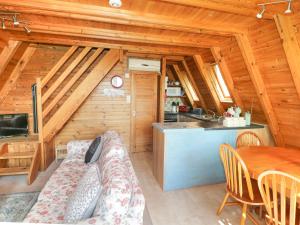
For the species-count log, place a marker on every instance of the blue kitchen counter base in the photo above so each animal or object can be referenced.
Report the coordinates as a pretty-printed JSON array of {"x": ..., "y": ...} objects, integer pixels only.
[{"x": 190, "y": 152}]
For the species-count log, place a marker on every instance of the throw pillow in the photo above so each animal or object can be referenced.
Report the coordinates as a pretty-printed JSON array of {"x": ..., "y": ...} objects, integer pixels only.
[
  {"x": 94, "y": 151},
  {"x": 83, "y": 201}
]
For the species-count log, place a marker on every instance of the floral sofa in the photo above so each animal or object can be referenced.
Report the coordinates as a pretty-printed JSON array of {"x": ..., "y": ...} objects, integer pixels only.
[{"x": 122, "y": 198}]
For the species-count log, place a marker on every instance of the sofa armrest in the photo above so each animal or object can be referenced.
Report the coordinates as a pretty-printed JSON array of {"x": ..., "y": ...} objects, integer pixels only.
[{"x": 77, "y": 148}]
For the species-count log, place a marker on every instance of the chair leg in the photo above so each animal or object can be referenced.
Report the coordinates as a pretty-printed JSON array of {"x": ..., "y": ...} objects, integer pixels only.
[
  {"x": 244, "y": 214},
  {"x": 223, "y": 204},
  {"x": 254, "y": 221}
]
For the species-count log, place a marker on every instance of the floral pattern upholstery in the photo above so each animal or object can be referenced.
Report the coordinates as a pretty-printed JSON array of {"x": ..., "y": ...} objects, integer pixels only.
[{"x": 121, "y": 199}]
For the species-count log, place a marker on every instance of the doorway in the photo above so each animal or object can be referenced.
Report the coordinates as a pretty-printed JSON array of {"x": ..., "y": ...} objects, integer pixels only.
[{"x": 144, "y": 104}]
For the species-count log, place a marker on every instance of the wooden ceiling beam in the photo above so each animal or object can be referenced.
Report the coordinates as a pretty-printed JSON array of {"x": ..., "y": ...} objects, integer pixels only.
[
  {"x": 227, "y": 6},
  {"x": 258, "y": 82},
  {"x": 7, "y": 54},
  {"x": 291, "y": 47},
  {"x": 102, "y": 43},
  {"x": 17, "y": 71},
  {"x": 193, "y": 83},
  {"x": 118, "y": 16},
  {"x": 82, "y": 28}
]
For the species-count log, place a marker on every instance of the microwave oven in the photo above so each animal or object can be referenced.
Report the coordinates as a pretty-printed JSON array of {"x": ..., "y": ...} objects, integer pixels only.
[{"x": 173, "y": 91}]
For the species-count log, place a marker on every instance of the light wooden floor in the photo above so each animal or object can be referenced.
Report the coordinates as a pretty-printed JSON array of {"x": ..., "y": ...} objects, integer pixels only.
[{"x": 194, "y": 206}]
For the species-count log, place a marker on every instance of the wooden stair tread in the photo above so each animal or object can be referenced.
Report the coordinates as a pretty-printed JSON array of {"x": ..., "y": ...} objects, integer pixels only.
[
  {"x": 14, "y": 171},
  {"x": 17, "y": 155}
]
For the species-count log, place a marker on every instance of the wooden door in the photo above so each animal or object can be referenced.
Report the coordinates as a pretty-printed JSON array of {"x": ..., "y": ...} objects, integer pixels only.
[{"x": 143, "y": 110}]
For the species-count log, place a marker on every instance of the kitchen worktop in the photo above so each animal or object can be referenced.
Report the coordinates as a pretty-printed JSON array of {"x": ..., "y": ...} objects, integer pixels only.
[{"x": 192, "y": 121}]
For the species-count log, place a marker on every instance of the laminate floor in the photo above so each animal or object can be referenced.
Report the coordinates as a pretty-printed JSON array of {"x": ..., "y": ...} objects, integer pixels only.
[{"x": 193, "y": 206}]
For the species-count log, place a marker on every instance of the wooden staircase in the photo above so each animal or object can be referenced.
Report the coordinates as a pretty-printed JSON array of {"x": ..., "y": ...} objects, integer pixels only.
[
  {"x": 20, "y": 158},
  {"x": 62, "y": 91}
]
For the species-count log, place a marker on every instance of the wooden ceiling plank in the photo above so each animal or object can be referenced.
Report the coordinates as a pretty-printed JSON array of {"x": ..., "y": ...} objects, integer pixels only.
[
  {"x": 193, "y": 83},
  {"x": 220, "y": 60},
  {"x": 206, "y": 75},
  {"x": 111, "y": 15},
  {"x": 70, "y": 106},
  {"x": 104, "y": 43},
  {"x": 257, "y": 80},
  {"x": 233, "y": 7},
  {"x": 291, "y": 47},
  {"x": 7, "y": 54},
  {"x": 58, "y": 65},
  {"x": 64, "y": 74},
  {"x": 71, "y": 82},
  {"x": 182, "y": 80},
  {"x": 17, "y": 71}
]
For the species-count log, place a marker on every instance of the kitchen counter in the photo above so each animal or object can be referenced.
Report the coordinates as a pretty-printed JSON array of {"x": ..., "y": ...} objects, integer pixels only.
[
  {"x": 186, "y": 154},
  {"x": 190, "y": 121}
]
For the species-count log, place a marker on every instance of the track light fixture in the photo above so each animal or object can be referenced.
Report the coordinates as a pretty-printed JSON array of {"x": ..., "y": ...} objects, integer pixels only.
[
  {"x": 289, "y": 9},
  {"x": 261, "y": 13},
  {"x": 15, "y": 20},
  {"x": 264, "y": 5},
  {"x": 27, "y": 30},
  {"x": 11, "y": 19}
]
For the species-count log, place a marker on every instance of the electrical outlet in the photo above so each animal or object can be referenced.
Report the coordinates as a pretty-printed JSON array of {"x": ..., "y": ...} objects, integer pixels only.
[
  {"x": 128, "y": 99},
  {"x": 127, "y": 75}
]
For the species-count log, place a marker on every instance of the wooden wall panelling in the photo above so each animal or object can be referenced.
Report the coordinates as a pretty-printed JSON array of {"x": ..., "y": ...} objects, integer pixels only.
[
  {"x": 259, "y": 85},
  {"x": 65, "y": 73},
  {"x": 19, "y": 99},
  {"x": 182, "y": 79},
  {"x": 242, "y": 80},
  {"x": 274, "y": 67},
  {"x": 71, "y": 82},
  {"x": 17, "y": 71},
  {"x": 63, "y": 114},
  {"x": 7, "y": 53},
  {"x": 205, "y": 72},
  {"x": 193, "y": 83},
  {"x": 291, "y": 46},
  {"x": 162, "y": 90},
  {"x": 227, "y": 76},
  {"x": 58, "y": 65},
  {"x": 101, "y": 111}
]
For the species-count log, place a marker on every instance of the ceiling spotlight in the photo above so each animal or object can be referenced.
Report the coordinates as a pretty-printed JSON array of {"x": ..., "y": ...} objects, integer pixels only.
[
  {"x": 261, "y": 13},
  {"x": 289, "y": 9},
  {"x": 27, "y": 30},
  {"x": 15, "y": 20},
  {"x": 3, "y": 24},
  {"x": 115, "y": 3}
]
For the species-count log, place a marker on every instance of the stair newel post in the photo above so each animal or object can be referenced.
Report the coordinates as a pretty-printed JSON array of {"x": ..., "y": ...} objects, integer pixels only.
[{"x": 40, "y": 120}]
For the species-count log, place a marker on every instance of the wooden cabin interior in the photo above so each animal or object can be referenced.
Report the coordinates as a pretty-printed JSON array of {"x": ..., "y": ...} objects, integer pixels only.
[{"x": 149, "y": 112}]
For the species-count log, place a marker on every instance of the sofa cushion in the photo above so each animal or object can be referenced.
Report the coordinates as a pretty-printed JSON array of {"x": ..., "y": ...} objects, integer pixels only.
[
  {"x": 83, "y": 201},
  {"x": 113, "y": 204},
  {"x": 77, "y": 149},
  {"x": 94, "y": 151}
]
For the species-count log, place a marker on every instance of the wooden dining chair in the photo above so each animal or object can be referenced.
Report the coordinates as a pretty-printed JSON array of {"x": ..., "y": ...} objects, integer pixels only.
[
  {"x": 248, "y": 138},
  {"x": 239, "y": 185},
  {"x": 281, "y": 195}
]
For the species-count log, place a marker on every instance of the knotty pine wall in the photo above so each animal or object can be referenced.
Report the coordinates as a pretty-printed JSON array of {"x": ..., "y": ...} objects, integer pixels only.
[
  {"x": 19, "y": 99},
  {"x": 272, "y": 63},
  {"x": 241, "y": 79},
  {"x": 100, "y": 113}
]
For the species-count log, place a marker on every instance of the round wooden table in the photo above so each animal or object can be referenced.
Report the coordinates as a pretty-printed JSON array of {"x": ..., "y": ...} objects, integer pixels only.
[{"x": 261, "y": 158}]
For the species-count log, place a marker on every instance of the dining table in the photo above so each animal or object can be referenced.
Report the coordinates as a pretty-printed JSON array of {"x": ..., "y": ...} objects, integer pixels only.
[{"x": 262, "y": 158}]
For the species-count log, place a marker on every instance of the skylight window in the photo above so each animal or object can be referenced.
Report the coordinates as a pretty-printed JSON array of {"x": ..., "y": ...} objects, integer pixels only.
[{"x": 220, "y": 84}]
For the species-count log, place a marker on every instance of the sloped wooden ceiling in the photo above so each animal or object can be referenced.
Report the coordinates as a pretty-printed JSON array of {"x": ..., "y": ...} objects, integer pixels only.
[{"x": 262, "y": 71}]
